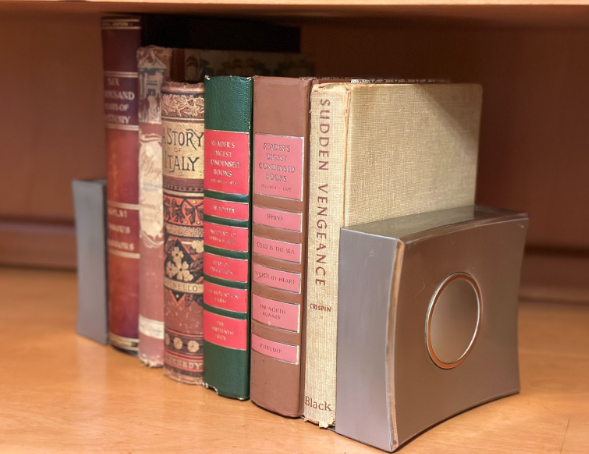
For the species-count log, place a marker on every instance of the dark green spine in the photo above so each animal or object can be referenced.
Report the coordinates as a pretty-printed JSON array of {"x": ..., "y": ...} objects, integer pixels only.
[{"x": 228, "y": 120}]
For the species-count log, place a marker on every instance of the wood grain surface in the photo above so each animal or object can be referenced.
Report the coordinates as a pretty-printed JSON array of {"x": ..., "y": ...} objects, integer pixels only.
[
  {"x": 62, "y": 393},
  {"x": 485, "y": 12}
]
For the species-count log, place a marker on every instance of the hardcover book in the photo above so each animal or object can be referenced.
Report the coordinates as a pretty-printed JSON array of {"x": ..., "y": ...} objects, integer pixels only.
[
  {"x": 279, "y": 243},
  {"x": 121, "y": 38},
  {"x": 183, "y": 180},
  {"x": 376, "y": 151},
  {"x": 154, "y": 68},
  {"x": 228, "y": 120},
  {"x": 157, "y": 64}
]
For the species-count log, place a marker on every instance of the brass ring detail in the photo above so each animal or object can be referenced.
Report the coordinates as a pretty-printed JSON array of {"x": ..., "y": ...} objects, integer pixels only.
[{"x": 453, "y": 277}]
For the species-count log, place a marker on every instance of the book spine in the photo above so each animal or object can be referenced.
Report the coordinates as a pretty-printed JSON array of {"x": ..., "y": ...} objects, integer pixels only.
[
  {"x": 281, "y": 116},
  {"x": 121, "y": 37},
  {"x": 182, "y": 113},
  {"x": 227, "y": 235},
  {"x": 153, "y": 64},
  {"x": 328, "y": 139}
]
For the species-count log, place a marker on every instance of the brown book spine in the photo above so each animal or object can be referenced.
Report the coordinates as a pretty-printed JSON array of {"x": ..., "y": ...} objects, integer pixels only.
[
  {"x": 121, "y": 37},
  {"x": 183, "y": 188},
  {"x": 279, "y": 241},
  {"x": 153, "y": 64}
]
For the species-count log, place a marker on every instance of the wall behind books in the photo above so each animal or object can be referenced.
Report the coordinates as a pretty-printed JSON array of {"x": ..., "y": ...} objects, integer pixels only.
[
  {"x": 51, "y": 124},
  {"x": 533, "y": 140}
]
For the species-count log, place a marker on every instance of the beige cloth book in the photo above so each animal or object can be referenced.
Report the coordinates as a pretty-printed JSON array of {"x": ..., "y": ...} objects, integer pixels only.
[{"x": 376, "y": 151}]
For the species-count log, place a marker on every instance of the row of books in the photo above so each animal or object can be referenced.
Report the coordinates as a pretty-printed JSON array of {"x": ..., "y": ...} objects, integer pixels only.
[{"x": 226, "y": 199}]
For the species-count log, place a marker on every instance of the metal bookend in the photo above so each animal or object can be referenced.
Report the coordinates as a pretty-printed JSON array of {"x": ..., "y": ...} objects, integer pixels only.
[{"x": 427, "y": 320}]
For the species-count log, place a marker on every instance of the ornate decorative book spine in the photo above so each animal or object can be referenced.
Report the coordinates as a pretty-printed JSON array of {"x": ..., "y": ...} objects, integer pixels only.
[
  {"x": 154, "y": 67},
  {"x": 183, "y": 179},
  {"x": 121, "y": 37},
  {"x": 227, "y": 234},
  {"x": 281, "y": 119}
]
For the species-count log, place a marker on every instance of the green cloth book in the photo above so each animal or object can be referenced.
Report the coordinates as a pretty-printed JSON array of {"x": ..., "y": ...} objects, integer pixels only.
[{"x": 227, "y": 222}]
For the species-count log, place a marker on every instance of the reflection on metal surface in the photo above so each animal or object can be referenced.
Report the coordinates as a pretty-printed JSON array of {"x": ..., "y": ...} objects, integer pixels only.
[{"x": 453, "y": 320}]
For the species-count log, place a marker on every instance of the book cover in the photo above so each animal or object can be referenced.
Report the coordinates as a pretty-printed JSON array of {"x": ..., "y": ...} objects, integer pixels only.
[
  {"x": 279, "y": 239},
  {"x": 228, "y": 120},
  {"x": 182, "y": 113},
  {"x": 121, "y": 37},
  {"x": 376, "y": 151},
  {"x": 155, "y": 65}
]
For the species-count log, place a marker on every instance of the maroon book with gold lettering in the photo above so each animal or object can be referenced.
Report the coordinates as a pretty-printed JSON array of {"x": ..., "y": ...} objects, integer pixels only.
[
  {"x": 121, "y": 37},
  {"x": 182, "y": 113}
]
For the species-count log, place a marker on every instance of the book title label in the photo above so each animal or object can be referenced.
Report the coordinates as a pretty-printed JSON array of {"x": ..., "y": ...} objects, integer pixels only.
[
  {"x": 225, "y": 267},
  {"x": 286, "y": 220},
  {"x": 122, "y": 223},
  {"x": 183, "y": 149},
  {"x": 277, "y": 350},
  {"x": 282, "y": 280},
  {"x": 278, "y": 166},
  {"x": 227, "y": 237},
  {"x": 227, "y": 162},
  {"x": 120, "y": 100},
  {"x": 281, "y": 250},
  {"x": 276, "y": 313},
  {"x": 238, "y": 211},
  {"x": 225, "y": 331},
  {"x": 230, "y": 299}
]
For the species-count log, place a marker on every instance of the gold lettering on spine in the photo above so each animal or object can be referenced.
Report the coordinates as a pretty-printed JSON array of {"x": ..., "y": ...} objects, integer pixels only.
[
  {"x": 119, "y": 96},
  {"x": 183, "y": 148},
  {"x": 184, "y": 287}
]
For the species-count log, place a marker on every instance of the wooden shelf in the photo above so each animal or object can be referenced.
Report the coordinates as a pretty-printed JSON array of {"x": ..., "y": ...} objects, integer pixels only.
[
  {"x": 441, "y": 12},
  {"x": 63, "y": 393}
]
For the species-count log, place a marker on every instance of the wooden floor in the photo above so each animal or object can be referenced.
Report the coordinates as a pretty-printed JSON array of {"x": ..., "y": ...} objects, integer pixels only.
[{"x": 61, "y": 393}]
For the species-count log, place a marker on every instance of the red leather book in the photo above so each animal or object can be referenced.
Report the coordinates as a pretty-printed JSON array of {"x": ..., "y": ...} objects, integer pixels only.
[
  {"x": 183, "y": 186},
  {"x": 121, "y": 37}
]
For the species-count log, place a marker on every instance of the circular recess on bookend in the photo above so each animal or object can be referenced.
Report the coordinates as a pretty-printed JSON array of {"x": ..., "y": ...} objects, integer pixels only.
[{"x": 453, "y": 320}]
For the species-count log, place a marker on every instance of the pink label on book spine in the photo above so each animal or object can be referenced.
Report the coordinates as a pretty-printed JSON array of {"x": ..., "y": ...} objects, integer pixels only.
[
  {"x": 225, "y": 267},
  {"x": 227, "y": 162},
  {"x": 239, "y": 211},
  {"x": 282, "y": 280},
  {"x": 282, "y": 352},
  {"x": 278, "y": 166},
  {"x": 230, "y": 299},
  {"x": 275, "y": 313},
  {"x": 225, "y": 331},
  {"x": 226, "y": 237},
  {"x": 281, "y": 250},
  {"x": 286, "y": 220}
]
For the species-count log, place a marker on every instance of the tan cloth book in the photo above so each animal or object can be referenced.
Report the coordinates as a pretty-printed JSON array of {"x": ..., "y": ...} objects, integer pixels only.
[{"x": 376, "y": 151}]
